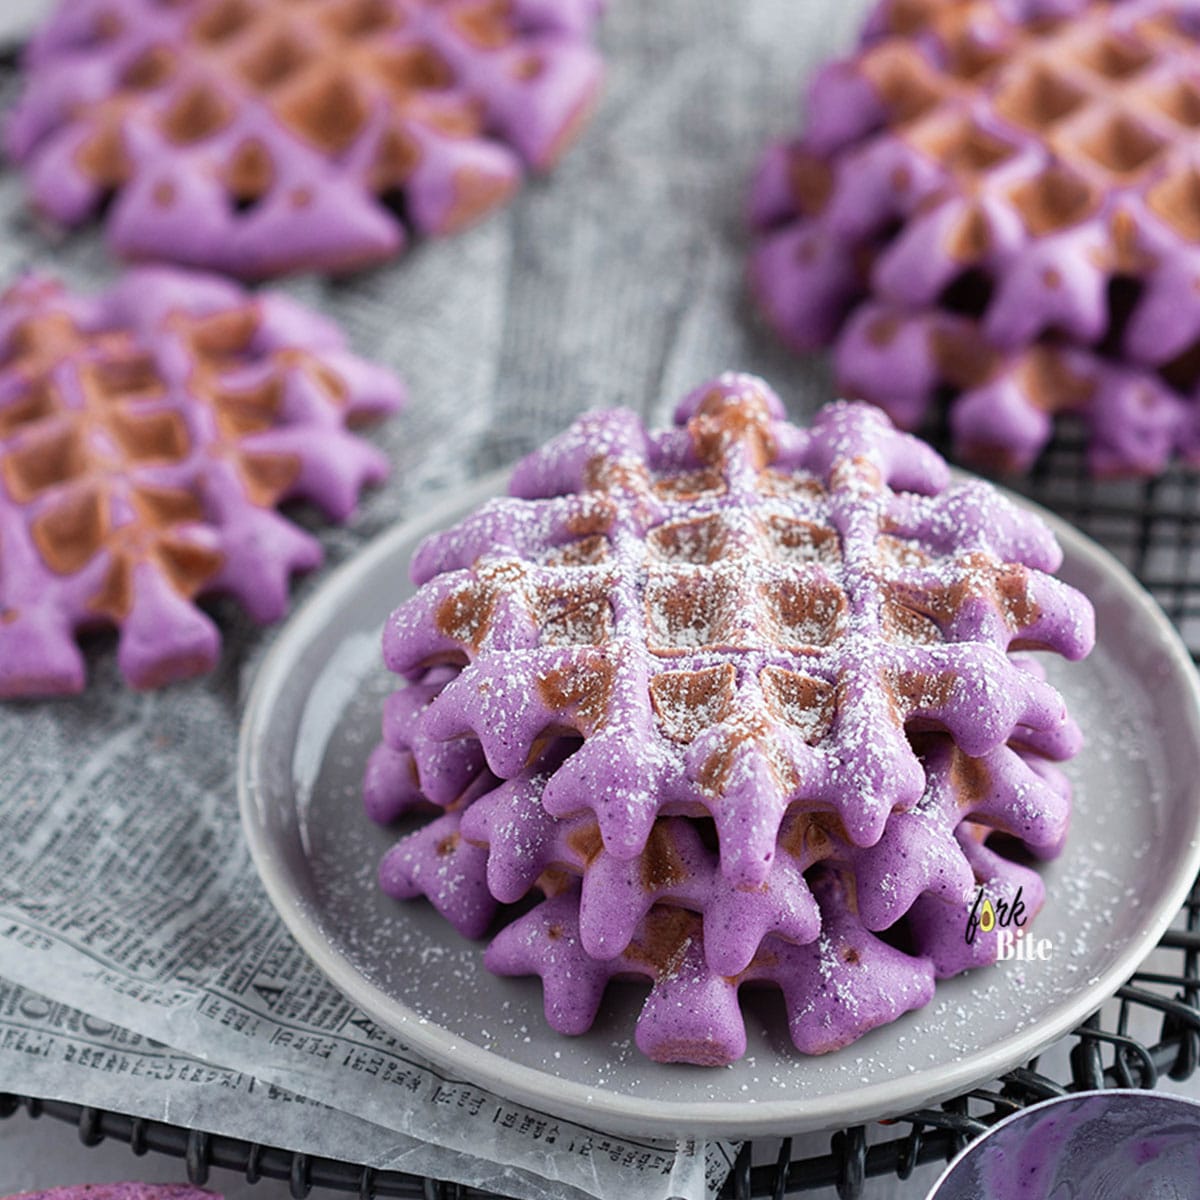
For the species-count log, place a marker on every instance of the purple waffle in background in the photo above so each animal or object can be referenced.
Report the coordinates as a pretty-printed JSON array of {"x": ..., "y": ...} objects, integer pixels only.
[
  {"x": 146, "y": 436},
  {"x": 691, "y": 672},
  {"x": 996, "y": 204},
  {"x": 258, "y": 137}
]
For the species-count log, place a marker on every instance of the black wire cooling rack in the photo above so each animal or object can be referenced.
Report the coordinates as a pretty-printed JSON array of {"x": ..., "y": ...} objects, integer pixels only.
[{"x": 1150, "y": 526}]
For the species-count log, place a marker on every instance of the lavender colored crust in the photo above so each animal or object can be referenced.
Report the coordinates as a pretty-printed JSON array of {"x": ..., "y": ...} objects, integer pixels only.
[
  {"x": 997, "y": 202},
  {"x": 803, "y": 637},
  {"x": 146, "y": 436},
  {"x": 243, "y": 136},
  {"x": 836, "y": 987},
  {"x": 735, "y": 616},
  {"x": 497, "y": 844}
]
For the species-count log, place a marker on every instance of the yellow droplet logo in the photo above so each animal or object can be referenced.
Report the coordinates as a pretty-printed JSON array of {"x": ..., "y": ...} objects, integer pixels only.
[{"x": 987, "y": 917}]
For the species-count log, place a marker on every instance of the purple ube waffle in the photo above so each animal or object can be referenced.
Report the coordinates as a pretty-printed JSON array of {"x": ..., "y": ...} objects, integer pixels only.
[
  {"x": 836, "y": 988},
  {"x": 496, "y": 843},
  {"x": 739, "y": 507},
  {"x": 146, "y": 436},
  {"x": 264, "y": 136},
  {"x": 736, "y": 616},
  {"x": 998, "y": 203},
  {"x": 839, "y": 980}
]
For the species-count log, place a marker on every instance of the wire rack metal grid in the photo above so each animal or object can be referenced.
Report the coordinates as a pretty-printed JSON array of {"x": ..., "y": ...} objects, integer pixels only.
[{"x": 1154, "y": 528}]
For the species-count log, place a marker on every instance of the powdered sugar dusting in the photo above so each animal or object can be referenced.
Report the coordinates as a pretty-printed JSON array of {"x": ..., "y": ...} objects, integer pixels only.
[{"x": 750, "y": 623}]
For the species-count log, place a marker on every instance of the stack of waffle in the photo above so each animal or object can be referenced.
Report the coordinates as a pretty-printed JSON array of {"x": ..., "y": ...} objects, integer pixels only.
[
  {"x": 737, "y": 700},
  {"x": 998, "y": 204},
  {"x": 262, "y": 136}
]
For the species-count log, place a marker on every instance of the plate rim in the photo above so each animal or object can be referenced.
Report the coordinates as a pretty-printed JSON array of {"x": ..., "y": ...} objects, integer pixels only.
[{"x": 593, "y": 1105}]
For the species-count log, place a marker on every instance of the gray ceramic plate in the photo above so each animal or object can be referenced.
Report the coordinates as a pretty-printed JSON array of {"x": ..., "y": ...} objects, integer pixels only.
[{"x": 313, "y": 717}]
